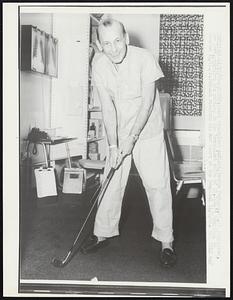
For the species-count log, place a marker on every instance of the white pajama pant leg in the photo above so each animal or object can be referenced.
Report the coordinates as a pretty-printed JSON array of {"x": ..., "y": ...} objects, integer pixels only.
[
  {"x": 109, "y": 212},
  {"x": 150, "y": 157}
]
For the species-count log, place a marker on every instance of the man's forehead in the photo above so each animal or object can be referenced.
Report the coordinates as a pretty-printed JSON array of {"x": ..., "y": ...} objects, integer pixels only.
[{"x": 115, "y": 28}]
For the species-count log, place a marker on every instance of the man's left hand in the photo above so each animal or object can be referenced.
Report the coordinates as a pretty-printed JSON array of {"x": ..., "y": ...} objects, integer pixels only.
[{"x": 125, "y": 149}]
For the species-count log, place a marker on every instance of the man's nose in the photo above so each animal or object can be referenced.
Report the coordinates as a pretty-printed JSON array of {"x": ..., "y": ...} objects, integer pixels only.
[{"x": 114, "y": 48}]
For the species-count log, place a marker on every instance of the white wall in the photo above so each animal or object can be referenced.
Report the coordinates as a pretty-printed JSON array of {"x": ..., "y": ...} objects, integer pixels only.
[
  {"x": 70, "y": 90},
  {"x": 35, "y": 88}
]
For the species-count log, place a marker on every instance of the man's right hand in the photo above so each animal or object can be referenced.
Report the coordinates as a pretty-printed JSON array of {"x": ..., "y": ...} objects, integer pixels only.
[{"x": 113, "y": 157}]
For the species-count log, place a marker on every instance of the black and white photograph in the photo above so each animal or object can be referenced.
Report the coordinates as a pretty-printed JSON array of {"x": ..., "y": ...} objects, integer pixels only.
[{"x": 120, "y": 150}]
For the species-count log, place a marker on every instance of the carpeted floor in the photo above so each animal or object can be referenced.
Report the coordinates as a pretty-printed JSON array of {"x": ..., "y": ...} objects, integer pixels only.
[{"x": 49, "y": 229}]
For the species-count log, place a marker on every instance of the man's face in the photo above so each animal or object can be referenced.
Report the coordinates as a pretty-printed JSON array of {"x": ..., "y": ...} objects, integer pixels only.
[{"x": 113, "y": 42}]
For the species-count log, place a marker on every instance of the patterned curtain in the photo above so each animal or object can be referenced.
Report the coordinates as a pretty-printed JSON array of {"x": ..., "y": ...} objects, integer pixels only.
[{"x": 181, "y": 59}]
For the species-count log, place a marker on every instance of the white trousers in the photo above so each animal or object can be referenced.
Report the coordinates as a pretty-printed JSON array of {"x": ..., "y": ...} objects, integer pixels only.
[{"x": 150, "y": 157}]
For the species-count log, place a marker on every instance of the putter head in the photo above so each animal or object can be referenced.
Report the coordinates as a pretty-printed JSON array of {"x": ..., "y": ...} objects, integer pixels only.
[{"x": 58, "y": 263}]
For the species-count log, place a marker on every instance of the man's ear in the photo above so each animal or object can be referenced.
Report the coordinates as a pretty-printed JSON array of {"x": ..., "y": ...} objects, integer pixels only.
[
  {"x": 127, "y": 38},
  {"x": 98, "y": 45}
]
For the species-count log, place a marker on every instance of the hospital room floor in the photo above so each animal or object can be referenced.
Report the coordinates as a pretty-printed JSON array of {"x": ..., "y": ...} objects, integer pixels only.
[{"x": 49, "y": 229}]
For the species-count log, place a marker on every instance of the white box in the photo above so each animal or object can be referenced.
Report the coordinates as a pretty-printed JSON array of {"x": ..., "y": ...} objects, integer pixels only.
[
  {"x": 73, "y": 181},
  {"x": 45, "y": 182}
]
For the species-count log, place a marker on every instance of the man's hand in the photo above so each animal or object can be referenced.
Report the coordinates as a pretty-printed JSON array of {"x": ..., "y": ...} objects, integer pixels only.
[
  {"x": 125, "y": 149},
  {"x": 113, "y": 157}
]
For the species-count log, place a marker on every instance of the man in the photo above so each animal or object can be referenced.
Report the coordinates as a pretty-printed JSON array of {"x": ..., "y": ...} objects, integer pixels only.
[{"x": 125, "y": 78}]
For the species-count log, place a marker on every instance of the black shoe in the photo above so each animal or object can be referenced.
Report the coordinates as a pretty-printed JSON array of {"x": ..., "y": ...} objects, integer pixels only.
[
  {"x": 92, "y": 245},
  {"x": 167, "y": 258}
]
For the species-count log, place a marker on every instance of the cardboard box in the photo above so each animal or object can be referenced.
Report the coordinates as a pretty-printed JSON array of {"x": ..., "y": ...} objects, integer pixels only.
[
  {"x": 73, "y": 181},
  {"x": 45, "y": 182}
]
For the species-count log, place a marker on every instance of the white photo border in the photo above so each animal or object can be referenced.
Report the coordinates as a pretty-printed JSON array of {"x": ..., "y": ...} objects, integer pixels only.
[{"x": 216, "y": 20}]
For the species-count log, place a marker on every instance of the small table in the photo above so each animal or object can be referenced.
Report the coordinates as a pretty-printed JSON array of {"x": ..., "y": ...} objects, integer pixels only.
[{"x": 46, "y": 148}]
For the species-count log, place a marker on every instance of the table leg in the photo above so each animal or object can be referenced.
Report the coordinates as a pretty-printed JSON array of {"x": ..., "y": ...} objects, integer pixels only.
[
  {"x": 68, "y": 155},
  {"x": 45, "y": 154}
]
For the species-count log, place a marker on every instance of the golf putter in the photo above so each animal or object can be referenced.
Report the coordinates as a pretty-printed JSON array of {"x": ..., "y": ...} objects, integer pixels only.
[{"x": 101, "y": 190}]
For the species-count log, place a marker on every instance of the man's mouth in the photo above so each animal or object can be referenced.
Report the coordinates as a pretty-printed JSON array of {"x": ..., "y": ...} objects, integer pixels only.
[{"x": 115, "y": 56}]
